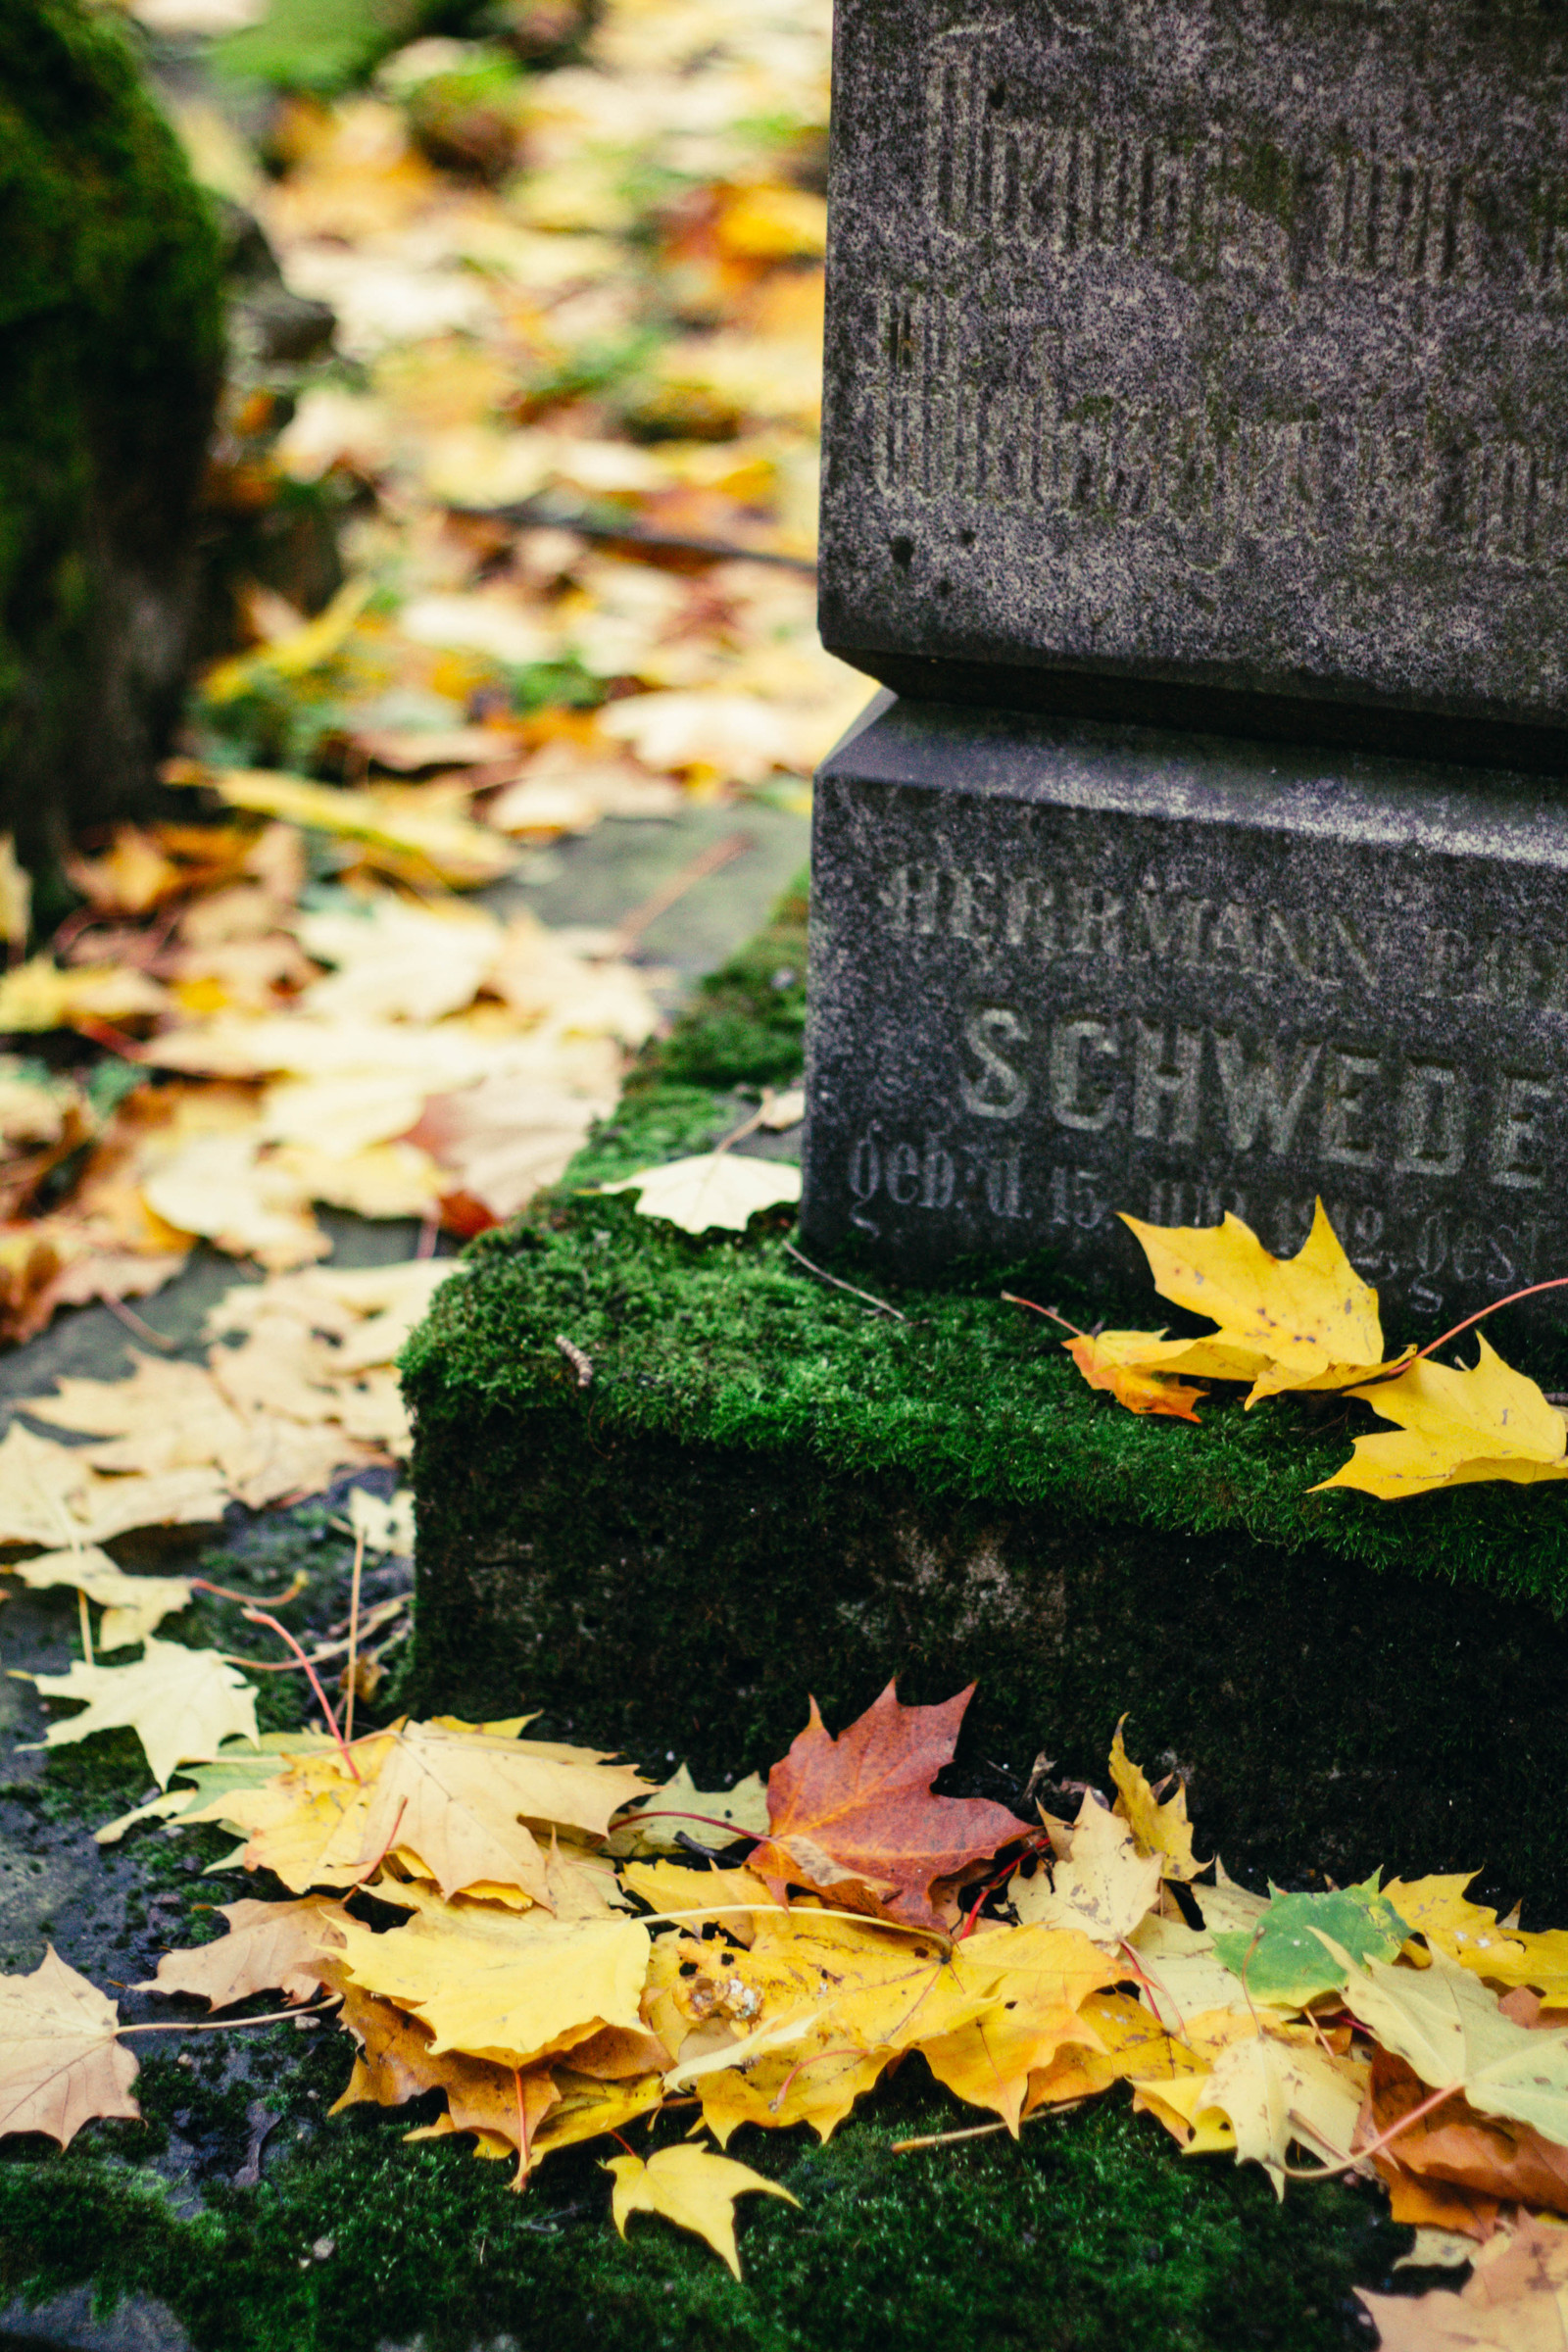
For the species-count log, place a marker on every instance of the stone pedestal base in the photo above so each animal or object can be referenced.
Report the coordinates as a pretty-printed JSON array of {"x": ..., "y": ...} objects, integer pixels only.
[{"x": 1058, "y": 972}]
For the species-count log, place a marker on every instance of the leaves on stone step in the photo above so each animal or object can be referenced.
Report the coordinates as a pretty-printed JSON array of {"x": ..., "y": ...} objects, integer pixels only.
[
  {"x": 277, "y": 1946},
  {"x": 181, "y": 1703},
  {"x": 1293, "y": 1954},
  {"x": 1456, "y": 1426},
  {"x": 1515, "y": 2300}
]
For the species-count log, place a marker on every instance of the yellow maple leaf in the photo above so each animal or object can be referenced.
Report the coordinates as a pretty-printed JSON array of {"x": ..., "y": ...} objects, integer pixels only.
[
  {"x": 691, "y": 2188},
  {"x": 456, "y": 1799},
  {"x": 396, "y": 2064},
  {"x": 1276, "y": 2090},
  {"x": 1124, "y": 1363},
  {"x": 50, "y": 1497},
  {"x": 1455, "y": 1426},
  {"x": 60, "y": 2062},
  {"x": 181, "y": 1703},
  {"x": 586, "y": 2108},
  {"x": 268, "y": 1945},
  {"x": 711, "y": 1189},
  {"x": 306, "y": 1822},
  {"x": 133, "y": 1607},
  {"x": 1104, "y": 1888},
  {"x": 1438, "y": 1909},
  {"x": 1159, "y": 1829},
  {"x": 1043, "y": 1976},
  {"x": 502, "y": 1984},
  {"x": 1305, "y": 1322}
]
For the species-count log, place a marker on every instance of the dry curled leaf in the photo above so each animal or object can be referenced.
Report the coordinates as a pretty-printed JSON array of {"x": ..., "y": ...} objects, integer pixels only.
[
  {"x": 1516, "y": 2300},
  {"x": 269, "y": 1946}
]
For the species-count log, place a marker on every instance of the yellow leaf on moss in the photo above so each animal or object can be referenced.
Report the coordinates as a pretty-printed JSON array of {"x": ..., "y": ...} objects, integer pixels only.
[
  {"x": 1121, "y": 1361},
  {"x": 1455, "y": 1426},
  {"x": 711, "y": 1189},
  {"x": 1276, "y": 2091},
  {"x": 1304, "y": 1322},
  {"x": 1104, "y": 1889},
  {"x": 691, "y": 2188}
]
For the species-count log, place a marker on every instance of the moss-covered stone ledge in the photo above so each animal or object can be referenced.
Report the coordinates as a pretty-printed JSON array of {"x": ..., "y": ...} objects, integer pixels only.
[{"x": 769, "y": 1488}]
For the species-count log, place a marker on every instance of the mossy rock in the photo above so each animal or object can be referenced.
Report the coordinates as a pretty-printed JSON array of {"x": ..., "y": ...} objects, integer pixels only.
[
  {"x": 770, "y": 1488},
  {"x": 111, "y": 344}
]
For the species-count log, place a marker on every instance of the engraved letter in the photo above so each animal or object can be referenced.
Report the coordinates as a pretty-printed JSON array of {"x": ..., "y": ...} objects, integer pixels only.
[
  {"x": 1429, "y": 1121},
  {"x": 964, "y": 919},
  {"x": 937, "y": 1175},
  {"x": 1154, "y": 1081},
  {"x": 1073, "y": 1038},
  {"x": 1030, "y": 901},
  {"x": 1344, "y": 1104},
  {"x": 1233, "y": 938},
  {"x": 1096, "y": 923},
  {"x": 1516, "y": 1139},
  {"x": 999, "y": 1092},
  {"x": 1263, "y": 1091},
  {"x": 904, "y": 1175}
]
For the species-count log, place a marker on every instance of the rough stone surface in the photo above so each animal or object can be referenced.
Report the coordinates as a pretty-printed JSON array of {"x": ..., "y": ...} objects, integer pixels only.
[
  {"x": 1204, "y": 361},
  {"x": 1060, "y": 971}
]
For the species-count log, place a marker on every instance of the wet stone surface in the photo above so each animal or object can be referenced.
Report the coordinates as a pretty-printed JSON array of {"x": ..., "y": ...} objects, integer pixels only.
[
  {"x": 1058, "y": 972},
  {"x": 1182, "y": 350}
]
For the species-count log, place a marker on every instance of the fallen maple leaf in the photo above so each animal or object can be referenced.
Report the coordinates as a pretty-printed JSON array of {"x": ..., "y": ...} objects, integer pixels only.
[
  {"x": 1450, "y": 2031},
  {"x": 1043, "y": 1976},
  {"x": 1276, "y": 2091},
  {"x": 268, "y": 1945},
  {"x": 857, "y": 1811},
  {"x": 1120, "y": 1361},
  {"x": 50, "y": 1497},
  {"x": 1305, "y": 1322},
  {"x": 711, "y": 1189},
  {"x": 502, "y": 1986},
  {"x": 133, "y": 1607},
  {"x": 455, "y": 1798},
  {"x": 1286, "y": 1959},
  {"x": 1104, "y": 1888},
  {"x": 1159, "y": 1829},
  {"x": 1516, "y": 2300},
  {"x": 1438, "y": 1909},
  {"x": 1455, "y": 1426},
  {"x": 181, "y": 1703},
  {"x": 60, "y": 2064},
  {"x": 691, "y": 2188},
  {"x": 1457, "y": 2148},
  {"x": 396, "y": 2064}
]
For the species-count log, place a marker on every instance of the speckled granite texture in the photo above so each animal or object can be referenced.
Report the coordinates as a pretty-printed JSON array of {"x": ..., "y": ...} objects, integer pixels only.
[
  {"x": 1205, "y": 361},
  {"x": 1063, "y": 971}
]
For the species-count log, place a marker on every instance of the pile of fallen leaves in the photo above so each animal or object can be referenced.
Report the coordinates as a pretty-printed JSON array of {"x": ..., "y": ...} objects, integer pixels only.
[
  {"x": 566, "y": 1952},
  {"x": 1309, "y": 1325}
]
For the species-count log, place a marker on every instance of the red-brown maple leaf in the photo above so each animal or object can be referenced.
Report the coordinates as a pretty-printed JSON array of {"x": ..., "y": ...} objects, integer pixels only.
[{"x": 857, "y": 1812}]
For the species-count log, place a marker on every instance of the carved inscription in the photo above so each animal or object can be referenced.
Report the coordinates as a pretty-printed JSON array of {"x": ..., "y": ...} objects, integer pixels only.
[
  {"x": 994, "y": 171},
  {"x": 992, "y": 425},
  {"x": 1207, "y": 1085}
]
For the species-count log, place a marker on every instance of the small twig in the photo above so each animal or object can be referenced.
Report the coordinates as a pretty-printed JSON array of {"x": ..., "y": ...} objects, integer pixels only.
[
  {"x": 1049, "y": 1311},
  {"x": 143, "y": 1331},
  {"x": 429, "y": 1235},
  {"x": 581, "y": 1362},
  {"x": 1557, "y": 1284},
  {"x": 1349, "y": 2164},
  {"x": 628, "y": 932},
  {"x": 943, "y": 2140},
  {"x": 86, "y": 1626},
  {"x": 225, "y": 2024},
  {"x": 353, "y": 1630},
  {"x": 881, "y": 1304},
  {"x": 256, "y": 1616}
]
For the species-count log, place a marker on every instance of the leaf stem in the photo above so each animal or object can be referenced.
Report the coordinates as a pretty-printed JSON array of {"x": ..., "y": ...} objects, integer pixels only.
[
  {"x": 255, "y": 1616},
  {"x": 223, "y": 2025},
  {"x": 1349, "y": 2164},
  {"x": 1049, "y": 1311}
]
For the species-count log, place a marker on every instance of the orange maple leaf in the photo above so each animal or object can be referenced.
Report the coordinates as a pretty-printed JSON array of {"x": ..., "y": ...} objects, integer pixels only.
[{"x": 855, "y": 1816}]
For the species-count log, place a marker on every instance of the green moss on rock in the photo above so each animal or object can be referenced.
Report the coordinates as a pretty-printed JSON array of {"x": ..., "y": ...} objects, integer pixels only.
[
  {"x": 110, "y": 351},
  {"x": 770, "y": 1488}
]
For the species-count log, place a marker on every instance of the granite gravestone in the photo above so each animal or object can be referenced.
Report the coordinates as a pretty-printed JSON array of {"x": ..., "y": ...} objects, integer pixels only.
[
  {"x": 1200, "y": 362},
  {"x": 1058, "y": 972},
  {"x": 1205, "y": 363}
]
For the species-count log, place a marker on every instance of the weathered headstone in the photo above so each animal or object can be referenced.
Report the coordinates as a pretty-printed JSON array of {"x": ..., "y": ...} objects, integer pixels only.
[{"x": 1204, "y": 363}]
